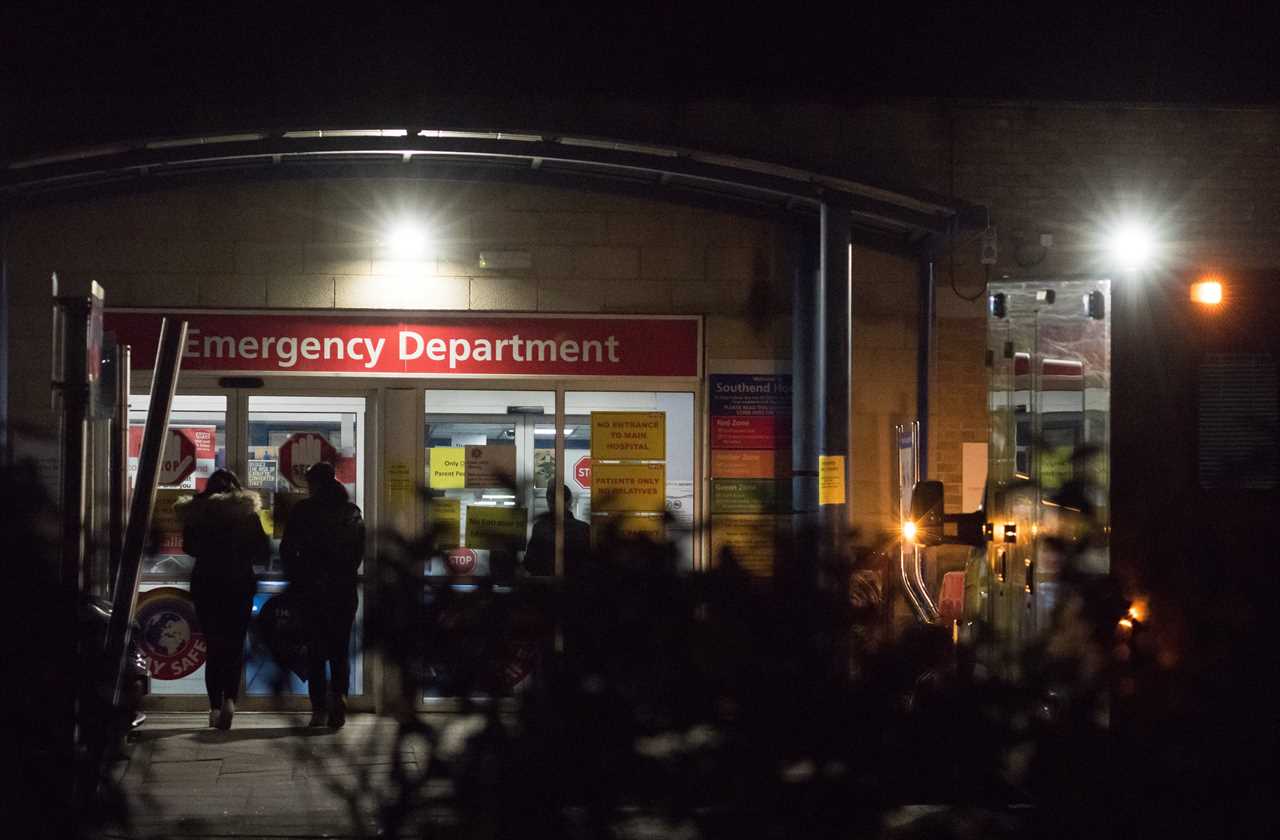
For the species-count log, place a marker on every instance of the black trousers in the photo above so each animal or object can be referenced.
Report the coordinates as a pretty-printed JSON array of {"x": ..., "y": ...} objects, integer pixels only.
[
  {"x": 223, "y": 609},
  {"x": 331, "y": 617}
]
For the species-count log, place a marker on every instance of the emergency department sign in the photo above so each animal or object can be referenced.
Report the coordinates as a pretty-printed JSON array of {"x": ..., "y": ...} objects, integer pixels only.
[
  {"x": 454, "y": 345},
  {"x": 170, "y": 635}
]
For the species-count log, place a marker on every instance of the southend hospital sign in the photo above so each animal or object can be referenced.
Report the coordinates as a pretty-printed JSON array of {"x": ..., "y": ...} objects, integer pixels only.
[{"x": 343, "y": 343}]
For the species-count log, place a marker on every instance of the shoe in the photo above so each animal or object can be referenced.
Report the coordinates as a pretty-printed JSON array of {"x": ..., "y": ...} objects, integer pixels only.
[
  {"x": 225, "y": 714},
  {"x": 337, "y": 710},
  {"x": 318, "y": 720}
]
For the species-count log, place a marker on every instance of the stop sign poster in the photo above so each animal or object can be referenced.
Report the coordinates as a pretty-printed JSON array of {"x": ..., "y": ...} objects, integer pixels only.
[
  {"x": 303, "y": 450},
  {"x": 187, "y": 460}
]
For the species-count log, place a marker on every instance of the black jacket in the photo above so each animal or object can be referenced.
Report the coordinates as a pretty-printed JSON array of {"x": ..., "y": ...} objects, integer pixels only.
[
  {"x": 323, "y": 544},
  {"x": 224, "y": 533}
]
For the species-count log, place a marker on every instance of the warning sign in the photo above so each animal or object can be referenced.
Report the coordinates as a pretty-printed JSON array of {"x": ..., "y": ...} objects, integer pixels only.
[
  {"x": 628, "y": 487},
  {"x": 496, "y": 527},
  {"x": 448, "y": 468},
  {"x": 300, "y": 452},
  {"x": 628, "y": 435},
  {"x": 831, "y": 479}
]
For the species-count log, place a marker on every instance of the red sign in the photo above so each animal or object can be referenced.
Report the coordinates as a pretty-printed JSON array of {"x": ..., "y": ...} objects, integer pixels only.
[
  {"x": 302, "y": 451},
  {"x": 170, "y": 634},
  {"x": 582, "y": 472},
  {"x": 750, "y": 432},
  {"x": 461, "y": 561},
  {"x": 178, "y": 459},
  {"x": 450, "y": 346}
]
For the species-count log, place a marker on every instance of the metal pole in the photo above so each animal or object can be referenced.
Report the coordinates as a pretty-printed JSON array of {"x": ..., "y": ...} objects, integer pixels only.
[
  {"x": 837, "y": 364},
  {"x": 164, "y": 382},
  {"x": 924, "y": 350},
  {"x": 118, "y": 458},
  {"x": 806, "y": 386}
]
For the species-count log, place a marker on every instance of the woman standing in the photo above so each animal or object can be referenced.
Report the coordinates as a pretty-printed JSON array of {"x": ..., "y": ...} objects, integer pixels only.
[{"x": 221, "y": 529}]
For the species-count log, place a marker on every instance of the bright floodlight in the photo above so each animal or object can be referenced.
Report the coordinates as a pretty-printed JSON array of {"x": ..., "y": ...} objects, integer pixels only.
[
  {"x": 407, "y": 241},
  {"x": 1132, "y": 246}
]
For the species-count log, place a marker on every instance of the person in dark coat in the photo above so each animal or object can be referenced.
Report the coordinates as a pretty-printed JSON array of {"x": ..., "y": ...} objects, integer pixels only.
[
  {"x": 222, "y": 531},
  {"x": 540, "y": 554},
  {"x": 321, "y": 551}
]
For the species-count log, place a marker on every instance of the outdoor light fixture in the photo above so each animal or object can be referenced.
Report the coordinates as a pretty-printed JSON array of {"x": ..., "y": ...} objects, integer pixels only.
[
  {"x": 1132, "y": 245},
  {"x": 909, "y": 531},
  {"x": 406, "y": 241},
  {"x": 1207, "y": 291}
]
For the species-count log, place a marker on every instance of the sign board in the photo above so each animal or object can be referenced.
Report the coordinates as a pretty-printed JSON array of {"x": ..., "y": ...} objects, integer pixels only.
[
  {"x": 170, "y": 635},
  {"x": 582, "y": 472},
  {"x": 628, "y": 487},
  {"x": 447, "y": 345},
  {"x": 165, "y": 523},
  {"x": 750, "y": 495},
  {"x": 628, "y": 435},
  {"x": 262, "y": 473},
  {"x": 447, "y": 468},
  {"x": 490, "y": 466},
  {"x": 197, "y": 443},
  {"x": 750, "y": 463},
  {"x": 444, "y": 518},
  {"x": 831, "y": 479},
  {"x": 627, "y": 526},
  {"x": 496, "y": 527},
  {"x": 461, "y": 561},
  {"x": 751, "y": 539},
  {"x": 300, "y": 452}
]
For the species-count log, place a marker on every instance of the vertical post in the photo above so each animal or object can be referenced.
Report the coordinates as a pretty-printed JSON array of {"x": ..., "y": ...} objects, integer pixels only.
[
  {"x": 924, "y": 348},
  {"x": 164, "y": 382},
  {"x": 837, "y": 364},
  {"x": 557, "y": 480},
  {"x": 118, "y": 460},
  {"x": 806, "y": 386}
]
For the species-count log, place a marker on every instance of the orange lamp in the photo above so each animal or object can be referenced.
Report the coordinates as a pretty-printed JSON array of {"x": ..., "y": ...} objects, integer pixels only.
[{"x": 1207, "y": 291}]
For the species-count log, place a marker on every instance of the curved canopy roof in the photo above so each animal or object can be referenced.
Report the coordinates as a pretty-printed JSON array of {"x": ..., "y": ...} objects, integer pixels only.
[{"x": 889, "y": 218}]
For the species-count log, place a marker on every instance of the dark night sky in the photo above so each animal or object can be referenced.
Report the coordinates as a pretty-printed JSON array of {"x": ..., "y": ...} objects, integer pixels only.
[{"x": 89, "y": 74}]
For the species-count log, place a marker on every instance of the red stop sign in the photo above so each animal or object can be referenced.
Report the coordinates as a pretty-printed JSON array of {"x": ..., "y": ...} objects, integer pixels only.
[
  {"x": 582, "y": 471},
  {"x": 302, "y": 450},
  {"x": 178, "y": 459},
  {"x": 461, "y": 561}
]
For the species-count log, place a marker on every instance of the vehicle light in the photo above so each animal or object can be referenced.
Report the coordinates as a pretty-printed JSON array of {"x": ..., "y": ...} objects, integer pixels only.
[
  {"x": 909, "y": 531},
  {"x": 1207, "y": 291}
]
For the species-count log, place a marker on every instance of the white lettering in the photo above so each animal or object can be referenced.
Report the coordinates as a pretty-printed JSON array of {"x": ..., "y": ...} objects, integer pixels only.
[
  {"x": 267, "y": 341},
  {"x": 407, "y": 336},
  {"x": 333, "y": 348},
  {"x": 435, "y": 349},
  {"x": 193, "y": 343},
  {"x": 287, "y": 350},
  {"x": 612, "y": 344},
  {"x": 219, "y": 347},
  {"x": 501, "y": 343},
  {"x": 515, "y": 349},
  {"x": 483, "y": 351},
  {"x": 568, "y": 351},
  {"x": 375, "y": 350},
  {"x": 248, "y": 347},
  {"x": 586, "y": 350},
  {"x": 543, "y": 346},
  {"x": 459, "y": 351},
  {"x": 352, "y": 344},
  {"x": 311, "y": 348}
]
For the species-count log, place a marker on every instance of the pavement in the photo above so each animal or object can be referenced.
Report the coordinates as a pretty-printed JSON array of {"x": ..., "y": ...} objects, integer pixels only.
[{"x": 268, "y": 776}]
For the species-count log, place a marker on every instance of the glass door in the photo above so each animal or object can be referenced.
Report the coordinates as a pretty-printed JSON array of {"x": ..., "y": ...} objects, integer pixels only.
[{"x": 286, "y": 435}]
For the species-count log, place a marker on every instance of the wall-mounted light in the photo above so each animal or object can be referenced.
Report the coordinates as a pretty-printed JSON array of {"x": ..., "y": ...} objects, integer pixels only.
[
  {"x": 406, "y": 240},
  {"x": 1132, "y": 245},
  {"x": 1207, "y": 291}
]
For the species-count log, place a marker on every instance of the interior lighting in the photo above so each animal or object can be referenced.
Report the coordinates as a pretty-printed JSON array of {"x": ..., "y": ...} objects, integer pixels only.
[
  {"x": 550, "y": 431},
  {"x": 1207, "y": 291},
  {"x": 1132, "y": 245}
]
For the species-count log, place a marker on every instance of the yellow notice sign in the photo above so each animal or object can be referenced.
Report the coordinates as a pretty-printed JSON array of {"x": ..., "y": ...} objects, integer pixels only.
[
  {"x": 830, "y": 479},
  {"x": 628, "y": 436},
  {"x": 628, "y": 488},
  {"x": 444, "y": 518},
  {"x": 448, "y": 467},
  {"x": 496, "y": 527},
  {"x": 627, "y": 526}
]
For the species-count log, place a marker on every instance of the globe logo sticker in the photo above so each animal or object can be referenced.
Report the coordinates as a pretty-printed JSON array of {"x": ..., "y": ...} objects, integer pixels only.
[{"x": 169, "y": 634}]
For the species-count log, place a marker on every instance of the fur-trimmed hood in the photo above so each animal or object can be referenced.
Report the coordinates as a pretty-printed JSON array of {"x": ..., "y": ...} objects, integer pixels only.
[{"x": 217, "y": 510}]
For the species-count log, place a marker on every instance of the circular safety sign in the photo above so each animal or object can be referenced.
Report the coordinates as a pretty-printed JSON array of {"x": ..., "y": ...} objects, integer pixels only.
[
  {"x": 300, "y": 452},
  {"x": 169, "y": 634}
]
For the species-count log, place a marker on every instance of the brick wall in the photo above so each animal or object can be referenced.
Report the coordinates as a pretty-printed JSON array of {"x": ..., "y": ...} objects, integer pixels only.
[{"x": 314, "y": 244}]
